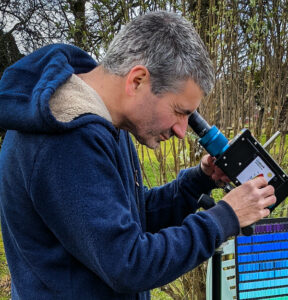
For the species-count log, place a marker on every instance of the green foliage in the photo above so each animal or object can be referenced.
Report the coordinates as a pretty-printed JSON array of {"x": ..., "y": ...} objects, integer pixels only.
[
  {"x": 157, "y": 294},
  {"x": 4, "y": 274}
]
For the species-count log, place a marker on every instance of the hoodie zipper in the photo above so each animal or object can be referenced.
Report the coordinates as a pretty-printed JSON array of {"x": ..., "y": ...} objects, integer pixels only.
[{"x": 135, "y": 171}]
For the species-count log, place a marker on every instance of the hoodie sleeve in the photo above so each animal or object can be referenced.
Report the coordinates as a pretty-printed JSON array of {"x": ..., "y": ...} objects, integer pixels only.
[
  {"x": 168, "y": 205},
  {"x": 77, "y": 190}
]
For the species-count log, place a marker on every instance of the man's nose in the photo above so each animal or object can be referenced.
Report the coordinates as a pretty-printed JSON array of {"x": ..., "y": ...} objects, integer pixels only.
[{"x": 179, "y": 128}]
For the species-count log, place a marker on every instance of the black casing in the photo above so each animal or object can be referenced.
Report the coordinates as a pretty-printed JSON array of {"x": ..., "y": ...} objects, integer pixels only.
[{"x": 243, "y": 149}]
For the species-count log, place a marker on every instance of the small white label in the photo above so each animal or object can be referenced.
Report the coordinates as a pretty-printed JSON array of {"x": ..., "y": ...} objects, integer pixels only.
[{"x": 254, "y": 169}]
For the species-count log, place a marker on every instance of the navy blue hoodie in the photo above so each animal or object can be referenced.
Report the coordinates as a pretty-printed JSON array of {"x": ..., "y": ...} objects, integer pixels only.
[{"x": 75, "y": 224}]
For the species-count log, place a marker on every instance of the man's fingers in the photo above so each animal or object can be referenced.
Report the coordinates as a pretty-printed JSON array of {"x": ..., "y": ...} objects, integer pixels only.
[
  {"x": 265, "y": 212},
  {"x": 270, "y": 200},
  {"x": 259, "y": 182},
  {"x": 211, "y": 159},
  {"x": 225, "y": 179},
  {"x": 208, "y": 160},
  {"x": 251, "y": 200},
  {"x": 267, "y": 191}
]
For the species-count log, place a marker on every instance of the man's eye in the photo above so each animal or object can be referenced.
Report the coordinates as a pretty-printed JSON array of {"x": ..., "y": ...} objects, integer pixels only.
[{"x": 182, "y": 114}]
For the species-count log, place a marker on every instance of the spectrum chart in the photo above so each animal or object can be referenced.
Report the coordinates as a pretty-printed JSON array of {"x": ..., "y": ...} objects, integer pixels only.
[{"x": 262, "y": 261}]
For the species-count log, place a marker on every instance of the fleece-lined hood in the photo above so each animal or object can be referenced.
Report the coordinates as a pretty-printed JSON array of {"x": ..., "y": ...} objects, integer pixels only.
[
  {"x": 27, "y": 87},
  {"x": 74, "y": 99}
]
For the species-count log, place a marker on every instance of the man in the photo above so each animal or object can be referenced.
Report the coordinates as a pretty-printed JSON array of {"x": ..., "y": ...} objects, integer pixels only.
[{"x": 77, "y": 222}]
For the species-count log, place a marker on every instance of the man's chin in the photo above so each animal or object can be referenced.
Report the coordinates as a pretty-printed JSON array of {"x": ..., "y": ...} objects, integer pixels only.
[
  {"x": 153, "y": 146},
  {"x": 150, "y": 143}
]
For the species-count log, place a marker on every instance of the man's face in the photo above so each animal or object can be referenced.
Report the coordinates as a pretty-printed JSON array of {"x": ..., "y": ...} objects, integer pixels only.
[{"x": 157, "y": 118}]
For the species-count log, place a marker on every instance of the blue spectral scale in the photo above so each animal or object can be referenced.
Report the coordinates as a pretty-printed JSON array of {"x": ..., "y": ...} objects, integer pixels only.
[{"x": 262, "y": 261}]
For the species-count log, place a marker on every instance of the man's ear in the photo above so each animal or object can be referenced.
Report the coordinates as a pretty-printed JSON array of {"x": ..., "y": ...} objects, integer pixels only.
[{"x": 135, "y": 79}]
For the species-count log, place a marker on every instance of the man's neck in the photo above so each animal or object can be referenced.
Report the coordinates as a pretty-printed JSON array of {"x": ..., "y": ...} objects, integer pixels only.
[{"x": 110, "y": 88}]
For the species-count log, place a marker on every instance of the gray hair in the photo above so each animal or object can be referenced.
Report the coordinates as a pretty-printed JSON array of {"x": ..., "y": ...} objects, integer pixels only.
[{"x": 168, "y": 46}]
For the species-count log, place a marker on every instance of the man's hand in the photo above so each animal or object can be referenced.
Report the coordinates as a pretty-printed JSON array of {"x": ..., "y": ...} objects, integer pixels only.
[
  {"x": 250, "y": 200},
  {"x": 209, "y": 168}
]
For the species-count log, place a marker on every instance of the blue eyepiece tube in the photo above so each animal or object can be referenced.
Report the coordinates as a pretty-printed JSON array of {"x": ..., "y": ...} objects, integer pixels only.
[{"x": 211, "y": 137}]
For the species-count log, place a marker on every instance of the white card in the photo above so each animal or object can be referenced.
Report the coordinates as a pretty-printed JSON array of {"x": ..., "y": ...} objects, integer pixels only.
[{"x": 254, "y": 169}]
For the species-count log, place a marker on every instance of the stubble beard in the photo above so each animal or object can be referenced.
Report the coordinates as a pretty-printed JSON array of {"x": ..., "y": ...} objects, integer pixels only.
[{"x": 149, "y": 139}]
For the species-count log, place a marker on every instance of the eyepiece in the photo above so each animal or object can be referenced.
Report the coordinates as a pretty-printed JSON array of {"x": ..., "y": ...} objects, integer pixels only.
[
  {"x": 211, "y": 138},
  {"x": 198, "y": 124}
]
